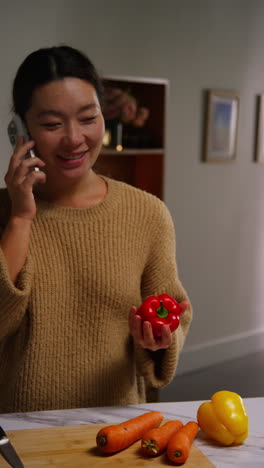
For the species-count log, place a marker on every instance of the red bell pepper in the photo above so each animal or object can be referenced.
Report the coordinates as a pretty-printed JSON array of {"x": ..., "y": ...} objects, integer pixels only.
[{"x": 160, "y": 310}]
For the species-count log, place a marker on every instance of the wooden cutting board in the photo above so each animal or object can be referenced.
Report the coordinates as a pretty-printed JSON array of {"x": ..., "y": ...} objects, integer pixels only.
[{"x": 75, "y": 447}]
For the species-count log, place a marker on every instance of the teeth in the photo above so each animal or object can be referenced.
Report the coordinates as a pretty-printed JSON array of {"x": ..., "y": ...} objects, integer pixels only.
[{"x": 70, "y": 158}]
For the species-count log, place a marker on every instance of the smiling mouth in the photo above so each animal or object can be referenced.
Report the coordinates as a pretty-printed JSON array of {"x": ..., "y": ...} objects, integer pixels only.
[{"x": 73, "y": 157}]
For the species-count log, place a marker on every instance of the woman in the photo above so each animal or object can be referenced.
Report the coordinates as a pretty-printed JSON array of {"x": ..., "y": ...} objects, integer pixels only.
[{"x": 79, "y": 253}]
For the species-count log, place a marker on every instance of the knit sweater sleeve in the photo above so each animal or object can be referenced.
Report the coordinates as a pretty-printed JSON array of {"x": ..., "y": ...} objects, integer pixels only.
[
  {"x": 161, "y": 276},
  {"x": 13, "y": 298}
]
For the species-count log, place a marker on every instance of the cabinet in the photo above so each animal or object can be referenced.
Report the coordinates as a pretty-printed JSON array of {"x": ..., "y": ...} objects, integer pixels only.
[{"x": 137, "y": 156}]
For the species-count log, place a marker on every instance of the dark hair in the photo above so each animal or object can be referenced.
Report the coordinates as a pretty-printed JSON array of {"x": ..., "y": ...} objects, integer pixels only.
[{"x": 50, "y": 64}]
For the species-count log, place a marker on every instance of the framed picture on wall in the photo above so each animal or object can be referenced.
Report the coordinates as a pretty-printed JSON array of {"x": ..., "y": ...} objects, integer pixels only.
[
  {"x": 259, "y": 154},
  {"x": 221, "y": 124}
]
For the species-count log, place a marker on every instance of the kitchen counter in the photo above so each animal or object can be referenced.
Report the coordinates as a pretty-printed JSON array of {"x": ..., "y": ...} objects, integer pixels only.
[{"x": 250, "y": 454}]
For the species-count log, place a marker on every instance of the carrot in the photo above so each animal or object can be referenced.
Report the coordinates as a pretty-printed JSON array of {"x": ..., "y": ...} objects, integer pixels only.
[
  {"x": 116, "y": 437},
  {"x": 179, "y": 446},
  {"x": 156, "y": 440}
]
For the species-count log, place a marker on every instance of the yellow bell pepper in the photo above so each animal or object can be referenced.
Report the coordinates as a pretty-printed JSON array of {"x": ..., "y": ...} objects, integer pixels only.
[{"x": 224, "y": 418}]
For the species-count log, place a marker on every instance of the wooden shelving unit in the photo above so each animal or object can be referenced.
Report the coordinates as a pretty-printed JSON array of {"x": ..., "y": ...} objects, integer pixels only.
[{"x": 141, "y": 162}]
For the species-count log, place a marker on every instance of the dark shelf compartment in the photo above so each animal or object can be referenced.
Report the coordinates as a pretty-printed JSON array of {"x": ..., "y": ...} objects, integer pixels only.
[{"x": 141, "y": 163}]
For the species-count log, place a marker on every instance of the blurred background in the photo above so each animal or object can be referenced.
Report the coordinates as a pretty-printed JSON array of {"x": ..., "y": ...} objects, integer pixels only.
[{"x": 218, "y": 209}]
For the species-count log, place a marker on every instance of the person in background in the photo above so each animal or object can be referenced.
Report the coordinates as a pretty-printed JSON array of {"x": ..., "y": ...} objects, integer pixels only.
[{"x": 79, "y": 253}]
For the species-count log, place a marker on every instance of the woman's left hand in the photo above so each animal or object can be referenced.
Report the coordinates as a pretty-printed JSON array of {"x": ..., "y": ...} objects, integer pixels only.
[{"x": 143, "y": 335}]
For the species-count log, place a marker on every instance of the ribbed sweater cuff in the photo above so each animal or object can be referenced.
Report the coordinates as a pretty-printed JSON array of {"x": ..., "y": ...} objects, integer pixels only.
[
  {"x": 13, "y": 299},
  {"x": 158, "y": 368}
]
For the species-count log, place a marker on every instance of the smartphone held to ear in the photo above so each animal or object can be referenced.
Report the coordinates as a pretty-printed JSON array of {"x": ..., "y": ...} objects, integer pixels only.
[{"x": 15, "y": 129}]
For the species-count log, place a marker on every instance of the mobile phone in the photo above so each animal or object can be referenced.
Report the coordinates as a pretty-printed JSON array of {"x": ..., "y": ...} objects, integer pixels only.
[{"x": 15, "y": 129}]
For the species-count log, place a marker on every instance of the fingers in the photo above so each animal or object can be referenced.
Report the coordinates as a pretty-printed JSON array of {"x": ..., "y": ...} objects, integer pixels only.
[
  {"x": 32, "y": 178},
  {"x": 25, "y": 168},
  {"x": 20, "y": 152},
  {"x": 143, "y": 333},
  {"x": 184, "y": 305},
  {"x": 24, "y": 176},
  {"x": 166, "y": 336},
  {"x": 21, "y": 167},
  {"x": 20, "y": 179},
  {"x": 152, "y": 343},
  {"x": 148, "y": 340}
]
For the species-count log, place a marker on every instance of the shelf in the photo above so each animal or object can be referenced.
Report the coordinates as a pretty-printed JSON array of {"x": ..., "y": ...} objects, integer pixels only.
[
  {"x": 132, "y": 151},
  {"x": 141, "y": 162}
]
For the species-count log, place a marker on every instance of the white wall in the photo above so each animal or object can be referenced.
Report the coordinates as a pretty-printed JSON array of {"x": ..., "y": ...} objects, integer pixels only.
[{"x": 218, "y": 209}]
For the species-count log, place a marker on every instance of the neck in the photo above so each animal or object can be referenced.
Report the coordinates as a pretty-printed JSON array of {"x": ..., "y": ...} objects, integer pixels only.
[{"x": 80, "y": 194}]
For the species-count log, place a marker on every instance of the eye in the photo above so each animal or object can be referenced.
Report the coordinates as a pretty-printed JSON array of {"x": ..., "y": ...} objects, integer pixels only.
[
  {"x": 50, "y": 125},
  {"x": 88, "y": 119}
]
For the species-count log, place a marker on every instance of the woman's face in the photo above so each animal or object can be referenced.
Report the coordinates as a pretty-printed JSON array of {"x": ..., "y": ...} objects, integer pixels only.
[{"x": 66, "y": 122}]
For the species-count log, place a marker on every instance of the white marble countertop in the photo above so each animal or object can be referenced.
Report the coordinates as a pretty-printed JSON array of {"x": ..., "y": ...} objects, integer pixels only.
[{"x": 248, "y": 455}]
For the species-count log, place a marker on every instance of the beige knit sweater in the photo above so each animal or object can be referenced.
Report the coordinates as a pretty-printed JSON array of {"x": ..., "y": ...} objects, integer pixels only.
[{"x": 64, "y": 337}]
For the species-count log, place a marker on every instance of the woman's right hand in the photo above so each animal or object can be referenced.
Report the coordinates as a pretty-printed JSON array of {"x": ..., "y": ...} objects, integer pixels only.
[{"x": 20, "y": 179}]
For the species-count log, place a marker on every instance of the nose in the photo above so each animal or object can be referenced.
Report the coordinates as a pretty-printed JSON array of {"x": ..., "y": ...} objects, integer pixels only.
[{"x": 73, "y": 136}]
